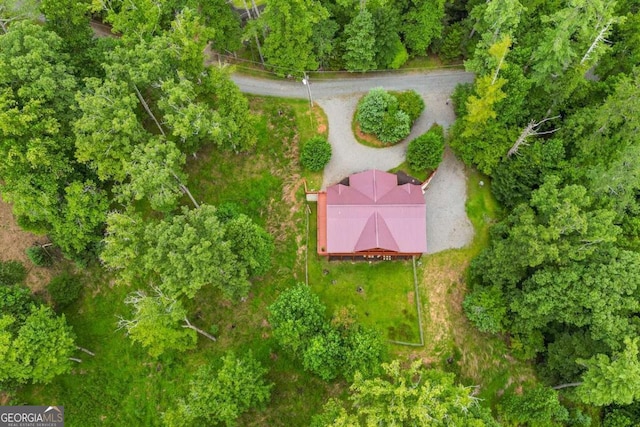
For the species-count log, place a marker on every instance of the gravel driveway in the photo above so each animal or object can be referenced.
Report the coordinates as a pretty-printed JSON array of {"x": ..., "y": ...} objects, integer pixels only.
[{"x": 447, "y": 223}]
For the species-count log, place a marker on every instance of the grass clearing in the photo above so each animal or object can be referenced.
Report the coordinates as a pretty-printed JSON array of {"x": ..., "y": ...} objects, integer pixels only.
[
  {"x": 452, "y": 343},
  {"x": 381, "y": 292}
]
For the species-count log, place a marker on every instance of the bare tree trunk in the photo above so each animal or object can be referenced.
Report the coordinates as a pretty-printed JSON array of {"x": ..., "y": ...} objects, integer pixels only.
[
  {"x": 561, "y": 386},
  {"x": 255, "y": 35},
  {"x": 255, "y": 8},
  {"x": 75, "y": 359},
  {"x": 148, "y": 110},
  {"x": 85, "y": 350},
  {"x": 185, "y": 190},
  {"x": 598, "y": 39},
  {"x": 198, "y": 330},
  {"x": 530, "y": 130}
]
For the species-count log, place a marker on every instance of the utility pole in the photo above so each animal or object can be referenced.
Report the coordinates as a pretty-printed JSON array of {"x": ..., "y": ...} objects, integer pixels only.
[{"x": 305, "y": 81}]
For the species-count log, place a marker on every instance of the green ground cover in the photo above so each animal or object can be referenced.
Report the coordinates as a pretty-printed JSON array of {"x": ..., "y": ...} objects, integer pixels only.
[
  {"x": 122, "y": 385},
  {"x": 381, "y": 292}
]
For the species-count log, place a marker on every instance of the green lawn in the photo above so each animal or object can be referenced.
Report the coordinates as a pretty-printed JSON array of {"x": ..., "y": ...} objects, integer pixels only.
[{"x": 381, "y": 292}]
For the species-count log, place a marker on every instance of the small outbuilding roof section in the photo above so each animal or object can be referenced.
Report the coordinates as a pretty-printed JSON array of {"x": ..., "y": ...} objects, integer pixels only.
[{"x": 374, "y": 213}]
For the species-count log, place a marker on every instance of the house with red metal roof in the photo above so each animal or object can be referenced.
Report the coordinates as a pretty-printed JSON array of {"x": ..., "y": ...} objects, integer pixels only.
[{"x": 372, "y": 214}]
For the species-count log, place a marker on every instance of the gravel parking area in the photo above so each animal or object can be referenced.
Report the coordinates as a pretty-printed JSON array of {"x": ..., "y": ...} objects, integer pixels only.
[{"x": 447, "y": 223}]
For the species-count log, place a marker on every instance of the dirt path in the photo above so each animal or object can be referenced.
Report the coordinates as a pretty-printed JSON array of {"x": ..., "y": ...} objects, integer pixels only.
[{"x": 14, "y": 241}]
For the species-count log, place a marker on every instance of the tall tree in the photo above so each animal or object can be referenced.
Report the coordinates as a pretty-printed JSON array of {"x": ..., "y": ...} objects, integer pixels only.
[
  {"x": 575, "y": 37},
  {"x": 156, "y": 323},
  {"x": 422, "y": 23},
  {"x": 183, "y": 253},
  {"x": 359, "y": 45},
  {"x": 109, "y": 128},
  {"x": 155, "y": 172},
  {"x": 39, "y": 350},
  {"x": 413, "y": 396},
  {"x": 235, "y": 387},
  {"x": 612, "y": 380},
  {"x": 288, "y": 47},
  {"x": 82, "y": 218}
]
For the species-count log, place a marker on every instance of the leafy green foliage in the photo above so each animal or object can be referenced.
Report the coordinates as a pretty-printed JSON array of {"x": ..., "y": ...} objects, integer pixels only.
[
  {"x": 39, "y": 256},
  {"x": 12, "y": 272},
  {"x": 296, "y": 316},
  {"x": 328, "y": 349},
  {"x": 155, "y": 323},
  {"x": 252, "y": 245},
  {"x": 425, "y": 152},
  {"x": 15, "y": 301},
  {"x": 536, "y": 406},
  {"x": 612, "y": 380},
  {"x": 221, "y": 395},
  {"x": 65, "y": 289},
  {"x": 412, "y": 396},
  {"x": 422, "y": 24},
  {"x": 188, "y": 251},
  {"x": 287, "y": 46},
  {"x": 379, "y": 113},
  {"x": 372, "y": 109},
  {"x": 486, "y": 309},
  {"x": 411, "y": 103},
  {"x": 315, "y": 154},
  {"x": 155, "y": 172},
  {"x": 84, "y": 213},
  {"x": 39, "y": 350},
  {"x": 360, "y": 38}
]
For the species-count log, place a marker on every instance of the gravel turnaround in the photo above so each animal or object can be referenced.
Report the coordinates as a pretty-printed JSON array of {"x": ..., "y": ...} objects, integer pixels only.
[{"x": 447, "y": 223}]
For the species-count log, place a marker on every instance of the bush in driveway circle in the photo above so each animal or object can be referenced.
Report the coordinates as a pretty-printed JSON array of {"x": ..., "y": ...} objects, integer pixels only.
[
  {"x": 316, "y": 153},
  {"x": 425, "y": 152},
  {"x": 388, "y": 116},
  {"x": 373, "y": 108},
  {"x": 411, "y": 103}
]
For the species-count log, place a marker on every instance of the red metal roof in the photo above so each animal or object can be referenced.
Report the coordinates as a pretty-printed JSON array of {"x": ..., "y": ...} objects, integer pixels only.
[{"x": 374, "y": 213}]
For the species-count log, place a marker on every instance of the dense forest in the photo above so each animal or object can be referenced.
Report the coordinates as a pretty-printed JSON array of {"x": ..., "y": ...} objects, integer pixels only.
[{"x": 100, "y": 145}]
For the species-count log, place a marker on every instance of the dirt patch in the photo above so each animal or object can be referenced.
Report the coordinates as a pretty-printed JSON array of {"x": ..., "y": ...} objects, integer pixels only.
[
  {"x": 321, "y": 120},
  {"x": 14, "y": 241},
  {"x": 368, "y": 139}
]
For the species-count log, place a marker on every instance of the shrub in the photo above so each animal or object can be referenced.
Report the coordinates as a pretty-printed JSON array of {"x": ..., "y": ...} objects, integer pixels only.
[
  {"x": 316, "y": 153},
  {"x": 11, "y": 272},
  {"x": 396, "y": 126},
  {"x": 381, "y": 114},
  {"x": 400, "y": 57},
  {"x": 536, "y": 406},
  {"x": 65, "y": 289},
  {"x": 425, "y": 152},
  {"x": 411, "y": 103},
  {"x": 15, "y": 301},
  {"x": 39, "y": 256},
  {"x": 486, "y": 309},
  {"x": 372, "y": 109}
]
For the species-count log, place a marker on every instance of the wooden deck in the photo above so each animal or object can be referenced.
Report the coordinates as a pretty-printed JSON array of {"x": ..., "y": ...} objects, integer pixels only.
[{"x": 322, "y": 223}]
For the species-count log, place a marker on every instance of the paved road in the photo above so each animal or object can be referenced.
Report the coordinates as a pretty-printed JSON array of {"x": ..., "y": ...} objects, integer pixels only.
[{"x": 435, "y": 82}]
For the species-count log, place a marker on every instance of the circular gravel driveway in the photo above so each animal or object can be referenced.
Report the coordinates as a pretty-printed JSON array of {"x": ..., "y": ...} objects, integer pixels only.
[{"x": 447, "y": 223}]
